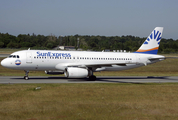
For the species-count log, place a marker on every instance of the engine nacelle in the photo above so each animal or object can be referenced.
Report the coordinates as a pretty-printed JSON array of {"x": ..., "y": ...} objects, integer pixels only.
[
  {"x": 52, "y": 72},
  {"x": 74, "y": 72}
]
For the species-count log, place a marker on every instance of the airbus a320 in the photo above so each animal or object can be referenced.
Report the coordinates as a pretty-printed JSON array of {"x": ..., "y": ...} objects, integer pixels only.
[{"x": 82, "y": 64}]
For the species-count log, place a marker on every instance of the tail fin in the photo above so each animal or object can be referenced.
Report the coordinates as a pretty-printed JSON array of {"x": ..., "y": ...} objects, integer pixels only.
[{"x": 151, "y": 44}]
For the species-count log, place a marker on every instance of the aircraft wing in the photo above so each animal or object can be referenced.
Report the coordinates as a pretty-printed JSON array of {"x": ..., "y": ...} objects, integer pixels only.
[{"x": 92, "y": 65}]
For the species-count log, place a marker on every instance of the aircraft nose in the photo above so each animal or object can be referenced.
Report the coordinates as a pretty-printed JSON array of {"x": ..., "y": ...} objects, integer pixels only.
[{"x": 4, "y": 63}]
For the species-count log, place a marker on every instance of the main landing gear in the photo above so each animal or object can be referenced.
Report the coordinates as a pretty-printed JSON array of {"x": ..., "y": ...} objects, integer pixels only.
[
  {"x": 26, "y": 75},
  {"x": 92, "y": 78},
  {"x": 90, "y": 74}
]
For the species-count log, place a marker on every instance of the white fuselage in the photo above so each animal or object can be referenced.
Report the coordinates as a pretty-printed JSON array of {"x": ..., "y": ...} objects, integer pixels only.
[{"x": 59, "y": 60}]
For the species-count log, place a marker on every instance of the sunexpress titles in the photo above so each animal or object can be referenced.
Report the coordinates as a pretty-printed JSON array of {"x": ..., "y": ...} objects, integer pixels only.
[{"x": 51, "y": 54}]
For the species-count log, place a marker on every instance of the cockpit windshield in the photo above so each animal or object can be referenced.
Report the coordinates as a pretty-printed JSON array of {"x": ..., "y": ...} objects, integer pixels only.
[{"x": 14, "y": 56}]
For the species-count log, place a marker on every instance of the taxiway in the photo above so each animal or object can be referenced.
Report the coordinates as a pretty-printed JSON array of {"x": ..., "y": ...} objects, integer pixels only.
[{"x": 100, "y": 79}]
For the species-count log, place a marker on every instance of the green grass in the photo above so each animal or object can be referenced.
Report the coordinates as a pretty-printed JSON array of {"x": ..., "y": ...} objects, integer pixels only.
[{"x": 89, "y": 101}]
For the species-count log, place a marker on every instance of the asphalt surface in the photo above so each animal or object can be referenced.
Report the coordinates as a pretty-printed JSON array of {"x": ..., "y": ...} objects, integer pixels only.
[
  {"x": 103, "y": 79},
  {"x": 4, "y": 55}
]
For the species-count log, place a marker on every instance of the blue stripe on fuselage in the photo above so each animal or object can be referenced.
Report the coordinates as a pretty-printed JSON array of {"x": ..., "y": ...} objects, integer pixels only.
[{"x": 149, "y": 52}]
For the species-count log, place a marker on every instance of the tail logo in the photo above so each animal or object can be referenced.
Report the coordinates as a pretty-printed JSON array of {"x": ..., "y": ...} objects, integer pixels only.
[
  {"x": 156, "y": 35},
  {"x": 151, "y": 44}
]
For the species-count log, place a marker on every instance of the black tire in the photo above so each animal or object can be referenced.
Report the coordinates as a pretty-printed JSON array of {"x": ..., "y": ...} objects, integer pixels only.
[
  {"x": 92, "y": 78},
  {"x": 26, "y": 77}
]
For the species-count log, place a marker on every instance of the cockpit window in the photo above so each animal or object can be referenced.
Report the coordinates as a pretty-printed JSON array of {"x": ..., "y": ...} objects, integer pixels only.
[
  {"x": 14, "y": 56},
  {"x": 10, "y": 56}
]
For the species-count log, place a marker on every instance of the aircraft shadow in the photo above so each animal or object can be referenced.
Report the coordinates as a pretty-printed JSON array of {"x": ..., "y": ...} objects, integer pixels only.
[
  {"x": 142, "y": 80},
  {"x": 112, "y": 79}
]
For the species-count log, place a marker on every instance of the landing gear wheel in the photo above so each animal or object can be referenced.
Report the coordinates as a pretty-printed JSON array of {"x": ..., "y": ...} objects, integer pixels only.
[
  {"x": 92, "y": 78},
  {"x": 26, "y": 77}
]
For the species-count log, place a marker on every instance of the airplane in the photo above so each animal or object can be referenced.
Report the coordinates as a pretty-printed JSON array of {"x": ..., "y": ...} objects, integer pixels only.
[{"x": 82, "y": 64}]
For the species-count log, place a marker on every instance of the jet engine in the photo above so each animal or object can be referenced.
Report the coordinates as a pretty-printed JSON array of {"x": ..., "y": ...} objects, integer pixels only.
[{"x": 75, "y": 72}]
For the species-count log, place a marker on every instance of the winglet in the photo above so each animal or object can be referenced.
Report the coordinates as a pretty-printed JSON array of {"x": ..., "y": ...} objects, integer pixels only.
[{"x": 151, "y": 44}]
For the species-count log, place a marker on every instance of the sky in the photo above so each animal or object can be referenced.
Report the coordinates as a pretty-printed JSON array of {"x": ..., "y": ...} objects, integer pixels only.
[{"x": 89, "y": 17}]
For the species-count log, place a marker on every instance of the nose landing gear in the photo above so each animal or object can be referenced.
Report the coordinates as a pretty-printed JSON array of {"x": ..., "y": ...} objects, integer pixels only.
[{"x": 26, "y": 75}]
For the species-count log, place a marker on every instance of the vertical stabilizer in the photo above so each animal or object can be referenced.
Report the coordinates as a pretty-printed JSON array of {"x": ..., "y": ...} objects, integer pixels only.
[{"x": 151, "y": 44}]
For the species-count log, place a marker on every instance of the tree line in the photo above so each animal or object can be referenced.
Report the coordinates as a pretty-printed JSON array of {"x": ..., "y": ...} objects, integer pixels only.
[{"x": 85, "y": 42}]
